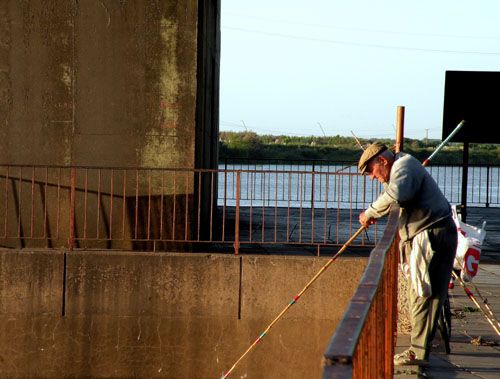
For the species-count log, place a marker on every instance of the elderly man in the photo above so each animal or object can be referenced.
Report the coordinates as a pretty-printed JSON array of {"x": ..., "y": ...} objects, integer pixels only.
[{"x": 428, "y": 238}]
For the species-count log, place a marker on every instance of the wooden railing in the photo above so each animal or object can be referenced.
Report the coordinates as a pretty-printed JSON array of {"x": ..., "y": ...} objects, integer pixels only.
[{"x": 363, "y": 343}]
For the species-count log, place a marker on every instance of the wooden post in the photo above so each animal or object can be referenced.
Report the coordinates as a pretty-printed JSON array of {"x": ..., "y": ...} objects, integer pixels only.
[{"x": 400, "y": 125}]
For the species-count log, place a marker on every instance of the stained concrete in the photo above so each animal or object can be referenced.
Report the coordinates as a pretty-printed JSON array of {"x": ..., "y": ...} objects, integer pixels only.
[
  {"x": 31, "y": 283},
  {"x": 169, "y": 315},
  {"x": 105, "y": 83}
]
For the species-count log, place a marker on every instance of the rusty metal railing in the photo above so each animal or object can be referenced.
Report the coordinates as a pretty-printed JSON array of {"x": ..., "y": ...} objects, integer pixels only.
[
  {"x": 363, "y": 343},
  {"x": 483, "y": 188},
  {"x": 162, "y": 209}
]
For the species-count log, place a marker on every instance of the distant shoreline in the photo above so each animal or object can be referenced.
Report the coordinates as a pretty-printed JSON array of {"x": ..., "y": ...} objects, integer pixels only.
[{"x": 250, "y": 146}]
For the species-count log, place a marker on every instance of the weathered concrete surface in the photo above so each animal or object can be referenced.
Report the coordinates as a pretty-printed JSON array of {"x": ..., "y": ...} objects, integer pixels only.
[
  {"x": 167, "y": 315},
  {"x": 99, "y": 83},
  {"x": 294, "y": 345},
  {"x": 31, "y": 283},
  {"x": 106, "y": 83},
  {"x": 149, "y": 284}
]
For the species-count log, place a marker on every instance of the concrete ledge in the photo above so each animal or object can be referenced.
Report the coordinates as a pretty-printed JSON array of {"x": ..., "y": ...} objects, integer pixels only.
[
  {"x": 269, "y": 283},
  {"x": 145, "y": 284},
  {"x": 168, "y": 315}
]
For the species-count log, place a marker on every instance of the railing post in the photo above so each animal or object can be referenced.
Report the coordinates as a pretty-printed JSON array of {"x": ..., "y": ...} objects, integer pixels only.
[
  {"x": 312, "y": 185},
  {"x": 71, "y": 240},
  {"x": 487, "y": 186},
  {"x": 312, "y": 204},
  {"x": 465, "y": 179},
  {"x": 237, "y": 215}
]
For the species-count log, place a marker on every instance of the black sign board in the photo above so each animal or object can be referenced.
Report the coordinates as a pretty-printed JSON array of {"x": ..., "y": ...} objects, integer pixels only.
[{"x": 473, "y": 96}]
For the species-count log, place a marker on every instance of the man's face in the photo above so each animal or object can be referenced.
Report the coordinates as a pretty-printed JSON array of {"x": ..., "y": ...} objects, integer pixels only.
[{"x": 379, "y": 168}]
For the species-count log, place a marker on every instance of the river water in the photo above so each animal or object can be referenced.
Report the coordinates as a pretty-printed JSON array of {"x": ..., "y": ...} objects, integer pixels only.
[{"x": 340, "y": 186}]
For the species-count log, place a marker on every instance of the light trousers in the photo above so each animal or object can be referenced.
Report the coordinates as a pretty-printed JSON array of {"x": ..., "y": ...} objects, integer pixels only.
[{"x": 425, "y": 310}]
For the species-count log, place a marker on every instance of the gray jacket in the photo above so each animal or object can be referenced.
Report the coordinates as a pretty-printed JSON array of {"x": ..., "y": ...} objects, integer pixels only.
[{"x": 412, "y": 187}]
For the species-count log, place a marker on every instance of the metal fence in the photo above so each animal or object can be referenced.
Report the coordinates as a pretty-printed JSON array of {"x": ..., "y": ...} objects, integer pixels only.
[
  {"x": 483, "y": 184},
  {"x": 363, "y": 343},
  {"x": 163, "y": 209}
]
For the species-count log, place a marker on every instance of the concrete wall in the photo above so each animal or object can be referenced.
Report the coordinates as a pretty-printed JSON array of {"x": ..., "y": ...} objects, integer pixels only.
[
  {"x": 111, "y": 84},
  {"x": 110, "y": 314},
  {"x": 98, "y": 82}
]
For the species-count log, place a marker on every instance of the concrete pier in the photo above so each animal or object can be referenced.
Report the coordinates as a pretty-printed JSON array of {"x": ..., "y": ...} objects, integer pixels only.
[{"x": 166, "y": 315}]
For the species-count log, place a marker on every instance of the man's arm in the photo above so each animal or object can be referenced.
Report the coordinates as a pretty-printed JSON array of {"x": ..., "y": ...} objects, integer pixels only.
[
  {"x": 381, "y": 206},
  {"x": 404, "y": 183}
]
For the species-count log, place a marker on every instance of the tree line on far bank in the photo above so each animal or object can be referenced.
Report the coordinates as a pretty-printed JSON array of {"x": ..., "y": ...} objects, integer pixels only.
[{"x": 249, "y": 145}]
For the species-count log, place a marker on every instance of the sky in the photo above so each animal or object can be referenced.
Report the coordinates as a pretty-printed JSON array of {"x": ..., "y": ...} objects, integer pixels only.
[{"x": 337, "y": 67}]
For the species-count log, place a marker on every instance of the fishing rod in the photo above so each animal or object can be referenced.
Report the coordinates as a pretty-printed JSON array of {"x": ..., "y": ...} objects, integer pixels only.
[
  {"x": 330, "y": 261},
  {"x": 467, "y": 290},
  {"x": 473, "y": 299},
  {"x": 359, "y": 145},
  {"x": 443, "y": 144},
  {"x": 485, "y": 302},
  {"x": 486, "y": 305},
  {"x": 357, "y": 141},
  {"x": 293, "y": 301}
]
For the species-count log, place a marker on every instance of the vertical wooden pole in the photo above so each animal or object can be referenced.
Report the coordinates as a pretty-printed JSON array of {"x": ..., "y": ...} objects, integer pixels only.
[{"x": 400, "y": 125}]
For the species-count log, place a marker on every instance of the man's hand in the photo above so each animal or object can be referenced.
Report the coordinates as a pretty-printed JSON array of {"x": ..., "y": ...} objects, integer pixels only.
[{"x": 366, "y": 221}]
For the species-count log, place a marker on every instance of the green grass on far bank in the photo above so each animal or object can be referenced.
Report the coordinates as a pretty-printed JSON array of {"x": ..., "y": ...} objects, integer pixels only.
[{"x": 248, "y": 145}]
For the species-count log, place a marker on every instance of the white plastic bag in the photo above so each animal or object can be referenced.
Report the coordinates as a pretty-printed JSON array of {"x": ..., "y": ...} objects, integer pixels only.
[{"x": 470, "y": 241}]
